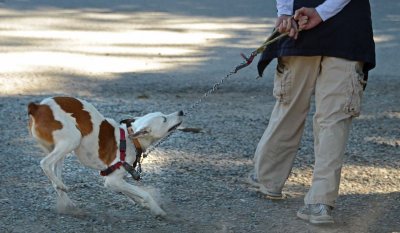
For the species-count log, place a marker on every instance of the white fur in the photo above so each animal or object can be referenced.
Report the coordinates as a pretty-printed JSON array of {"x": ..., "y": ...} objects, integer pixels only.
[{"x": 151, "y": 127}]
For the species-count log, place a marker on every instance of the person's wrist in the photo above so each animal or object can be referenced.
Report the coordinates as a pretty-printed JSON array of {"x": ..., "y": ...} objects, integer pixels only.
[
  {"x": 320, "y": 13},
  {"x": 284, "y": 16},
  {"x": 317, "y": 14},
  {"x": 317, "y": 17}
]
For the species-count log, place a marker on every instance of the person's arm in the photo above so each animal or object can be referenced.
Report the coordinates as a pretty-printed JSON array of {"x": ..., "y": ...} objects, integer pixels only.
[
  {"x": 284, "y": 22},
  {"x": 326, "y": 10},
  {"x": 330, "y": 8},
  {"x": 308, "y": 18},
  {"x": 284, "y": 7}
]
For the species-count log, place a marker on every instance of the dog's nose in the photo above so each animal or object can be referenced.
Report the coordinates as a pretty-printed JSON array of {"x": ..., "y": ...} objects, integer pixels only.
[{"x": 180, "y": 113}]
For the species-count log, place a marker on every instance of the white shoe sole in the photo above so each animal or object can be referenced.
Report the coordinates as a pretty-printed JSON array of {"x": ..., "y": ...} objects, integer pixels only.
[
  {"x": 316, "y": 219},
  {"x": 260, "y": 188}
]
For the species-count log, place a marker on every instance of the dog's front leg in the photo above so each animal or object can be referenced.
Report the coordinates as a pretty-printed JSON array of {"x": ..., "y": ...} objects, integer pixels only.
[{"x": 117, "y": 183}]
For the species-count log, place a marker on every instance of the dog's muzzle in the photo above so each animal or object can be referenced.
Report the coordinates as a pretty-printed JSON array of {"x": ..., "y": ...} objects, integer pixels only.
[{"x": 174, "y": 127}]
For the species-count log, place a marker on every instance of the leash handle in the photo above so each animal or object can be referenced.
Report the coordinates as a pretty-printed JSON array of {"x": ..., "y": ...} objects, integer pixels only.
[{"x": 275, "y": 36}]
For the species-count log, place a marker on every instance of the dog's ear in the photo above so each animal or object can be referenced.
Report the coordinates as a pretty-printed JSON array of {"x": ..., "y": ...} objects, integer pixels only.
[
  {"x": 140, "y": 133},
  {"x": 128, "y": 122}
]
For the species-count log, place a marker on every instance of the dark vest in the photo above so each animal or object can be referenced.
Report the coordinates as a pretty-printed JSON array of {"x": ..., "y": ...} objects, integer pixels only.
[{"x": 346, "y": 35}]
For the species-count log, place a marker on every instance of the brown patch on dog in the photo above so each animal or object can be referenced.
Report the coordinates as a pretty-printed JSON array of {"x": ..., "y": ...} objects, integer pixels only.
[
  {"x": 45, "y": 123},
  {"x": 32, "y": 108},
  {"x": 107, "y": 143},
  {"x": 75, "y": 107}
]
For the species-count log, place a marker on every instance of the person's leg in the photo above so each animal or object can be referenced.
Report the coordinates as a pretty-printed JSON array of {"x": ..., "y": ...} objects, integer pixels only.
[
  {"x": 294, "y": 85},
  {"x": 338, "y": 96}
]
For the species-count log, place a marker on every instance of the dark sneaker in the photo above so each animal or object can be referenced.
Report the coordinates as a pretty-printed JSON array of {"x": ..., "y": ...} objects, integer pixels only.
[
  {"x": 316, "y": 213},
  {"x": 252, "y": 180}
]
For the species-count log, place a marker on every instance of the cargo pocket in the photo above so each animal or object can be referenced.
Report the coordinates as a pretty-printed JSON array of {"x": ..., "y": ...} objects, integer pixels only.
[
  {"x": 354, "y": 94},
  {"x": 282, "y": 83}
]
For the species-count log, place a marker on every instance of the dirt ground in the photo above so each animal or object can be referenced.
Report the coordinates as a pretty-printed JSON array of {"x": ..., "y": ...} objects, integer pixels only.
[{"x": 134, "y": 57}]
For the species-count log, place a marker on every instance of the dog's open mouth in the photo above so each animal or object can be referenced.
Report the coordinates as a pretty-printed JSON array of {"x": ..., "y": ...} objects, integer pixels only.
[{"x": 175, "y": 126}]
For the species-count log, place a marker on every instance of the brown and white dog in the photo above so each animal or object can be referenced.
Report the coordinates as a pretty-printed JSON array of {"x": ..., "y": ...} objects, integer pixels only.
[{"x": 63, "y": 125}]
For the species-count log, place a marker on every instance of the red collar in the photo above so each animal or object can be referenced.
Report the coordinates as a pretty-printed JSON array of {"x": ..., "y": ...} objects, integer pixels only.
[{"x": 122, "y": 154}]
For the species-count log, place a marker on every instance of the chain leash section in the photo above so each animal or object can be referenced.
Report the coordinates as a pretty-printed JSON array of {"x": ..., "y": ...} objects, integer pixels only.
[
  {"x": 189, "y": 112},
  {"x": 215, "y": 87},
  {"x": 247, "y": 61},
  {"x": 191, "y": 109},
  {"x": 275, "y": 36}
]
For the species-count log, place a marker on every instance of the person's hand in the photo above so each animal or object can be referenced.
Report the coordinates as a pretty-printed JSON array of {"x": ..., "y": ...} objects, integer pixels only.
[
  {"x": 286, "y": 24},
  {"x": 307, "y": 18}
]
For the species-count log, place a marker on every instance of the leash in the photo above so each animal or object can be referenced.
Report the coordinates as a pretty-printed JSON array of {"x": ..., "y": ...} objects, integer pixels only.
[{"x": 275, "y": 36}]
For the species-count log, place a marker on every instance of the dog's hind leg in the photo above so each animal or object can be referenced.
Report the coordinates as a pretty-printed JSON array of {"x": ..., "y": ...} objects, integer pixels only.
[
  {"x": 64, "y": 203},
  {"x": 49, "y": 163},
  {"x": 117, "y": 183}
]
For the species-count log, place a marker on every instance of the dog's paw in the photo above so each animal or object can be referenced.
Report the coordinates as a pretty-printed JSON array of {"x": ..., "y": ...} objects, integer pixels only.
[
  {"x": 63, "y": 202},
  {"x": 69, "y": 208},
  {"x": 158, "y": 213},
  {"x": 161, "y": 215},
  {"x": 77, "y": 212}
]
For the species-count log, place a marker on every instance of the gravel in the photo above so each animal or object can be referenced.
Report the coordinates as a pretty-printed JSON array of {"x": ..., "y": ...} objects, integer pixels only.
[{"x": 197, "y": 176}]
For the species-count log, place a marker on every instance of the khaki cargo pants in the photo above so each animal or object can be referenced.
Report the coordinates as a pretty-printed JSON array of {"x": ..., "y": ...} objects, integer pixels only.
[{"x": 337, "y": 85}]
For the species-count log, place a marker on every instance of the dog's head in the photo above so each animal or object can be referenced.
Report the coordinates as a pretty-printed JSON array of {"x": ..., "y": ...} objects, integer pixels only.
[{"x": 153, "y": 126}]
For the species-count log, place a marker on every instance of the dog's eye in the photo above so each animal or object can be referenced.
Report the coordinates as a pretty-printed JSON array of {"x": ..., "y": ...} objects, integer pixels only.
[{"x": 164, "y": 119}]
